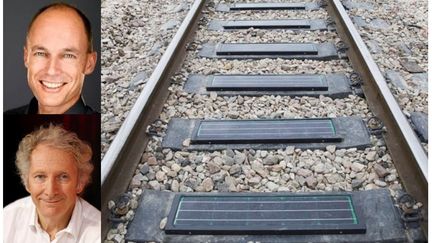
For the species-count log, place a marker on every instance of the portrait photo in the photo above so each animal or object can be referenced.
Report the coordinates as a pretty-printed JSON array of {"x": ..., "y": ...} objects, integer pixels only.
[
  {"x": 51, "y": 178},
  {"x": 51, "y": 57}
]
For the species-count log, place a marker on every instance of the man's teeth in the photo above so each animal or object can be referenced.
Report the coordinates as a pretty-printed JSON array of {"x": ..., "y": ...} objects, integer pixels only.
[{"x": 52, "y": 85}]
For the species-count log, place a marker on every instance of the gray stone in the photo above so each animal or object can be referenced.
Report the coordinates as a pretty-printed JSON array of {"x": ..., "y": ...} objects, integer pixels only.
[
  {"x": 333, "y": 178},
  {"x": 175, "y": 167},
  {"x": 235, "y": 169},
  {"x": 140, "y": 78},
  {"x": 135, "y": 183},
  {"x": 357, "y": 167},
  {"x": 171, "y": 24},
  {"x": 154, "y": 185},
  {"x": 255, "y": 180},
  {"x": 420, "y": 122},
  {"x": 379, "y": 24},
  {"x": 356, "y": 183},
  {"x": 230, "y": 153},
  {"x": 331, "y": 148},
  {"x": 272, "y": 186},
  {"x": 355, "y": 4},
  {"x": 304, "y": 172},
  {"x": 420, "y": 81},
  {"x": 218, "y": 177},
  {"x": 380, "y": 183},
  {"x": 319, "y": 168},
  {"x": 411, "y": 65},
  {"x": 404, "y": 49},
  {"x": 359, "y": 21},
  {"x": 371, "y": 156},
  {"x": 186, "y": 142},
  {"x": 134, "y": 204},
  {"x": 179, "y": 8},
  {"x": 160, "y": 176},
  {"x": 111, "y": 204},
  {"x": 230, "y": 182},
  {"x": 396, "y": 79},
  {"x": 290, "y": 150},
  {"x": 373, "y": 46},
  {"x": 191, "y": 182},
  {"x": 391, "y": 178},
  {"x": 259, "y": 168},
  {"x": 380, "y": 171},
  {"x": 175, "y": 186},
  {"x": 311, "y": 182},
  {"x": 270, "y": 160},
  {"x": 239, "y": 158},
  {"x": 228, "y": 160},
  {"x": 169, "y": 156},
  {"x": 144, "y": 169},
  {"x": 207, "y": 184},
  {"x": 213, "y": 167},
  {"x": 163, "y": 223},
  {"x": 152, "y": 161}
]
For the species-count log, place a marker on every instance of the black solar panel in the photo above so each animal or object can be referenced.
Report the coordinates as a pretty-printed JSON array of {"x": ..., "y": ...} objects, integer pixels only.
[
  {"x": 265, "y": 131},
  {"x": 267, "y": 83},
  {"x": 268, "y": 24},
  {"x": 244, "y": 214},
  {"x": 268, "y": 6},
  {"x": 267, "y": 49}
]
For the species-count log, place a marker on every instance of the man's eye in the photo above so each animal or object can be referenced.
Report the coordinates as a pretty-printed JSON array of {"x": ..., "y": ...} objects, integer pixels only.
[
  {"x": 40, "y": 54},
  {"x": 64, "y": 177},
  {"x": 39, "y": 177},
  {"x": 69, "y": 56}
]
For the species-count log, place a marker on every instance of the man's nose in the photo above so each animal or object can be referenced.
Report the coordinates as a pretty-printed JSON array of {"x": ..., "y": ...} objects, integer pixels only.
[
  {"x": 51, "y": 187},
  {"x": 53, "y": 66}
]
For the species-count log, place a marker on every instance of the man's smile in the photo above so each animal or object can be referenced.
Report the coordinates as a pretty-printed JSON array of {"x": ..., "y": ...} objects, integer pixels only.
[{"x": 52, "y": 85}]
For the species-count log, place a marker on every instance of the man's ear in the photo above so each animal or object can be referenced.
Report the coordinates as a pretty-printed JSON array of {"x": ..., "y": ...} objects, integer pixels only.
[
  {"x": 80, "y": 187},
  {"x": 91, "y": 63},
  {"x": 25, "y": 57},
  {"x": 27, "y": 187}
]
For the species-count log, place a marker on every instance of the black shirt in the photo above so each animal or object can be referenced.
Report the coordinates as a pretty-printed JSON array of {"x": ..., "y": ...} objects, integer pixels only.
[{"x": 32, "y": 108}]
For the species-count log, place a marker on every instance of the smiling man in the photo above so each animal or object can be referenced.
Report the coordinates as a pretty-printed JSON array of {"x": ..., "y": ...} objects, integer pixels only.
[
  {"x": 58, "y": 54},
  {"x": 54, "y": 165}
]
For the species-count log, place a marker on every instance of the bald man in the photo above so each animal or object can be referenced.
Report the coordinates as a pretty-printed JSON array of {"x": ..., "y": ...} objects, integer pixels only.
[{"x": 58, "y": 54}]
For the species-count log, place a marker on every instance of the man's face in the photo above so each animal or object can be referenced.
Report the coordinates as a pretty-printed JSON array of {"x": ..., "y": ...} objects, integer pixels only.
[
  {"x": 57, "y": 59},
  {"x": 53, "y": 182}
]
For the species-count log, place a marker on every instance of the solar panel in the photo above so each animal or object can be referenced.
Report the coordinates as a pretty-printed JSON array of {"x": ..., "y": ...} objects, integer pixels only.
[
  {"x": 247, "y": 214},
  {"x": 265, "y": 131},
  {"x": 267, "y": 49},
  {"x": 268, "y": 6},
  {"x": 267, "y": 83},
  {"x": 268, "y": 24}
]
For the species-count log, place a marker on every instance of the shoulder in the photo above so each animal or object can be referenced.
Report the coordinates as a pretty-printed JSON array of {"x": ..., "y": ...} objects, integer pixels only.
[
  {"x": 18, "y": 206},
  {"x": 91, "y": 222},
  {"x": 17, "y": 111},
  {"x": 17, "y": 214},
  {"x": 89, "y": 211},
  {"x": 89, "y": 111}
]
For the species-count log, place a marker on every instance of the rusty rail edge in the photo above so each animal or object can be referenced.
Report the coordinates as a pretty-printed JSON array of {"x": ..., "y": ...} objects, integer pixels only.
[
  {"x": 124, "y": 153},
  {"x": 407, "y": 152}
]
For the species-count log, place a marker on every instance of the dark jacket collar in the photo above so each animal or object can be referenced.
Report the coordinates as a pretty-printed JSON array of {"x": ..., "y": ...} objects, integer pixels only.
[{"x": 32, "y": 108}]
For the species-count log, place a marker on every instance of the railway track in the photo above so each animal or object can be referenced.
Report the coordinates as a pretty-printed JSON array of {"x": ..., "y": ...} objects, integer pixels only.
[{"x": 309, "y": 118}]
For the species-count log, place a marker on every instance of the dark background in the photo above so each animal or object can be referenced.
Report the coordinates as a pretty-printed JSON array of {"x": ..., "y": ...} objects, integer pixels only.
[
  {"x": 17, "y": 16},
  {"x": 87, "y": 127}
]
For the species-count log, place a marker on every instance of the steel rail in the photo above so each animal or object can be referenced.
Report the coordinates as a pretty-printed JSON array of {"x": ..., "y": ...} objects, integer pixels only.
[
  {"x": 125, "y": 151},
  {"x": 404, "y": 146}
]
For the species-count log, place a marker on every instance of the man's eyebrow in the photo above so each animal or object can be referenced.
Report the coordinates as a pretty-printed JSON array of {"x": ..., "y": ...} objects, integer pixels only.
[
  {"x": 39, "y": 48},
  {"x": 71, "y": 49}
]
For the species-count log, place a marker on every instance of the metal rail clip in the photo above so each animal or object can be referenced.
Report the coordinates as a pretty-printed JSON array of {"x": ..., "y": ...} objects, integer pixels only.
[{"x": 376, "y": 126}]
